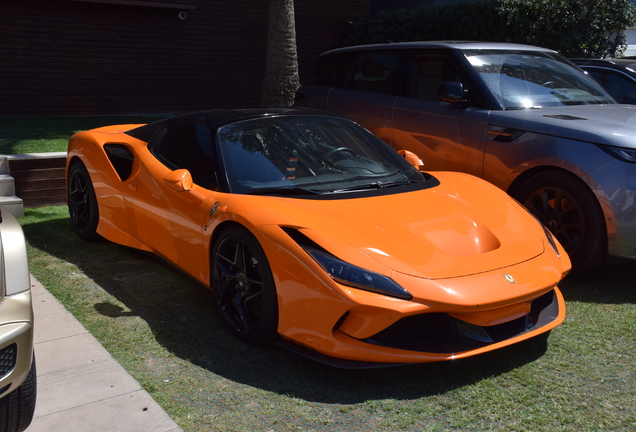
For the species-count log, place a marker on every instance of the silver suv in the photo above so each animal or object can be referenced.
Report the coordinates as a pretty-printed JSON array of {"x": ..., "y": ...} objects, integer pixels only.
[
  {"x": 17, "y": 366},
  {"x": 522, "y": 117}
]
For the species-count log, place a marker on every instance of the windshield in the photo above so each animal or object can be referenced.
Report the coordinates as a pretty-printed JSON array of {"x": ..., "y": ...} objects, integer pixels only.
[
  {"x": 308, "y": 154},
  {"x": 534, "y": 79}
]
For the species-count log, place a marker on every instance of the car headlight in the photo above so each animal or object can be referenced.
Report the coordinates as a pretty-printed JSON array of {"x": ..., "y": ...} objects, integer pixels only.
[
  {"x": 548, "y": 234},
  {"x": 624, "y": 154},
  {"x": 357, "y": 277},
  {"x": 551, "y": 239}
]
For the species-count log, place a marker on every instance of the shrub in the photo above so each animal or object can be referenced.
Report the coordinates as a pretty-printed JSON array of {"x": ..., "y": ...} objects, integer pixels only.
[{"x": 576, "y": 28}]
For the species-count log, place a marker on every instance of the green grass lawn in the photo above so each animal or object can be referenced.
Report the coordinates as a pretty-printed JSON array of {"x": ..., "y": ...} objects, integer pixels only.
[
  {"x": 51, "y": 134},
  {"x": 171, "y": 339}
]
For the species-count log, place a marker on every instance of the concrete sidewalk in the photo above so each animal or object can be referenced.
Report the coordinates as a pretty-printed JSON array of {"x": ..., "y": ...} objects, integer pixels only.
[{"x": 81, "y": 387}]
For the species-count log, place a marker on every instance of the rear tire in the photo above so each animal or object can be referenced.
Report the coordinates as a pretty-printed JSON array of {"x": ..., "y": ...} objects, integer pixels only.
[
  {"x": 571, "y": 212},
  {"x": 17, "y": 408},
  {"x": 82, "y": 203}
]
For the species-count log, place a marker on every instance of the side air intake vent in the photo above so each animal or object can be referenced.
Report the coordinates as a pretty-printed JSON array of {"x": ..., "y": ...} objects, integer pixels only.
[
  {"x": 121, "y": 158},
  {"x": 301, "y": 239}
]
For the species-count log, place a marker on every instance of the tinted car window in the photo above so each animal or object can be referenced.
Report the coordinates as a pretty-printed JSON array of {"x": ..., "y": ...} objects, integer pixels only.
[
  {"x": 526, "y": 79},
  {"x": 429, "y": 71},
  {"x": 375, "y": 72},
  {"x": 617, "y": 84},
  {"x": 187, "y": 146},
  {"x": 330, "y": 69},
  {"x": 318, "y": 154},
  {"x": 428, "y": 75}
]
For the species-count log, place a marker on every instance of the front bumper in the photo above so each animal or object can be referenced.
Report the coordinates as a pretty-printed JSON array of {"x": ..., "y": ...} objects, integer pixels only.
[
  {"x": 16, "y": 341},
  {"x": 402, "y": 343}
]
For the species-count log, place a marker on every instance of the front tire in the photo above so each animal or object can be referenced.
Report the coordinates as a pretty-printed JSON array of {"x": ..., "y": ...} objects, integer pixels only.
[
  {"x": 244, "y": 286},
  {"x": 571, "y": 212},
  {"x": 82, "y": 202},
  {"x": 17, "y": 408}
]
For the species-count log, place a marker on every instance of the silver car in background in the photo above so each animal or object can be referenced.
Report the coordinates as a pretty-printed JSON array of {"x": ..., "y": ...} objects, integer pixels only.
[
  {"x": 17, "y": 364},
  {"x": 522, "y": 117}
]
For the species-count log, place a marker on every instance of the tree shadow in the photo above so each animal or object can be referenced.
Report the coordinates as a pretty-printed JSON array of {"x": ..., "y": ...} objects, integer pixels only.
[{"x": 186, "y": 323}]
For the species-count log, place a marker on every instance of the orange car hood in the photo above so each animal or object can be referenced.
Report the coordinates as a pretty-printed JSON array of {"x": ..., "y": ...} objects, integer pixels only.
[{"x": 463, "y": 226}]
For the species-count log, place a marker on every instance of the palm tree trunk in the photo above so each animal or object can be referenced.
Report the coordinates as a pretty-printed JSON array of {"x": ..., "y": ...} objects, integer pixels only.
[{"x": 281, "y": 73}]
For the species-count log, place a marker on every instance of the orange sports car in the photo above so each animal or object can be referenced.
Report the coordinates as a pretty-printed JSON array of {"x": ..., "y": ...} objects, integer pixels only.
[{"x": 314, "y": 234}]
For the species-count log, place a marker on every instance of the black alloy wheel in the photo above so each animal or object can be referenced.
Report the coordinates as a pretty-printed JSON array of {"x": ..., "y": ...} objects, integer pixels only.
[
  {"x": 244, "y": 287},
  {"x": 558, "y": 211},
  {"x": 82, "y": 203},
  {"x": 571, "y": 212}
]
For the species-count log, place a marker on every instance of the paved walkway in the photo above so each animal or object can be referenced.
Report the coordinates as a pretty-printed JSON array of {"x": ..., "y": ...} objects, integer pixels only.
[{"x": 81, "y": 387}]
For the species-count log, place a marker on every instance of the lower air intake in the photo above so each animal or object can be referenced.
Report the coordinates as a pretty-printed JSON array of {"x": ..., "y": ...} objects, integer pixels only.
[
  {"x": 425, "y": 329},
  {"x": 440, "y": 333}
]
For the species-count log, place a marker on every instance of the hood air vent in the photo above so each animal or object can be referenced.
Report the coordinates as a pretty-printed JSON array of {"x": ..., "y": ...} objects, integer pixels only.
[{"x": 565, "y": 117}]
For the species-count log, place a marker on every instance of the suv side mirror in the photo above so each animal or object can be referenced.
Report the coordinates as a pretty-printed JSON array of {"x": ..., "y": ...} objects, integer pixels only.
[{"x": 452, "y": 92}]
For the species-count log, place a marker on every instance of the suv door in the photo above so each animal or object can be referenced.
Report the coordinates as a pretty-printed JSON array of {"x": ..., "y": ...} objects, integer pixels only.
[
  {"x": 446, "y": 136},
  {"x": 368, "y": 92}
]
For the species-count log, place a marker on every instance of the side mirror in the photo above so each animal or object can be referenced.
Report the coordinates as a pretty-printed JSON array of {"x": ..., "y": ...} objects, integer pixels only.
[
  {"x": 411, "y": 158},
  {"x": 452, "y": 92},
  {"x": 180, "y": 180}
]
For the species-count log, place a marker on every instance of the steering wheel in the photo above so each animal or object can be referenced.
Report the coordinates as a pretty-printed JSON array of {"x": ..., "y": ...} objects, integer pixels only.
[
  {"x": 549, "y": 84},
  {"x": 343, "y": 150}
]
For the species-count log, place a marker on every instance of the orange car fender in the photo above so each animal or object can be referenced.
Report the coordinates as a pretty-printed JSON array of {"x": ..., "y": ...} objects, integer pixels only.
[
  {"x": 99, "y": 167},
  {"x": 311, "y": 304}
]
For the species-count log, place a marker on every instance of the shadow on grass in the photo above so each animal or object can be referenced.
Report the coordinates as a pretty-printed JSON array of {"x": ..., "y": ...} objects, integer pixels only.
[
  {"x": 612, "y": 284},
  {"x": 185, "y": 322}
]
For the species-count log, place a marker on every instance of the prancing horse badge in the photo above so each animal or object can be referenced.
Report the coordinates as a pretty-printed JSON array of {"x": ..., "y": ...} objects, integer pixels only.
[{"x": 509, "y": 278}]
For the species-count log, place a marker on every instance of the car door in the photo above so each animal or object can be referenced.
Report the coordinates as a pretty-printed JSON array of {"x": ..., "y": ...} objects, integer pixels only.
[
  {"x": 368, "y": 93},
  {"x": 446, "y": 136},
  {"x": 166, "y": 217}
]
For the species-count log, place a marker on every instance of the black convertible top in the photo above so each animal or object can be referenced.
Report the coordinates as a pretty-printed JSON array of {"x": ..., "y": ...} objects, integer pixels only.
[{"x": 216, "y": 118}]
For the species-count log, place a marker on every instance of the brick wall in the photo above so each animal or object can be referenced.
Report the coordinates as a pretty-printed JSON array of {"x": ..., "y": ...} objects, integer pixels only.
[{"x": 98, "y": 57}]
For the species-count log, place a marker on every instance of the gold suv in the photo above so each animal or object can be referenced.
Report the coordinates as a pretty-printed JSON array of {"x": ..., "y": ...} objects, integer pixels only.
[{"x": 17, "y": 364}]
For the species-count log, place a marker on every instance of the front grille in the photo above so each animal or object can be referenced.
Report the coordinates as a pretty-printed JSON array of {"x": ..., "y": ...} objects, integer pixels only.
[
  {"x": 416, "y": 330},
  {"x": 440, "y": 333},
  {"x": 7, "y": 359}
]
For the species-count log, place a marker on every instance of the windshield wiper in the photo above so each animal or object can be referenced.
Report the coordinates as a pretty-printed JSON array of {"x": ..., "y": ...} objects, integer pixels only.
[
  {"x": 376, "y": 185},
  {"x": 283, "y": 190}
]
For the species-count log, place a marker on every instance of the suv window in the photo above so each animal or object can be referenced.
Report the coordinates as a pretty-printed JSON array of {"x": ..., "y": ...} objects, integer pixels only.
[
  {"x": 375, "y": 72},
  {"x": 428, "y": 75},
  {"x": 330, "y": 69},
  {"x": 429, "y": 71}
]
